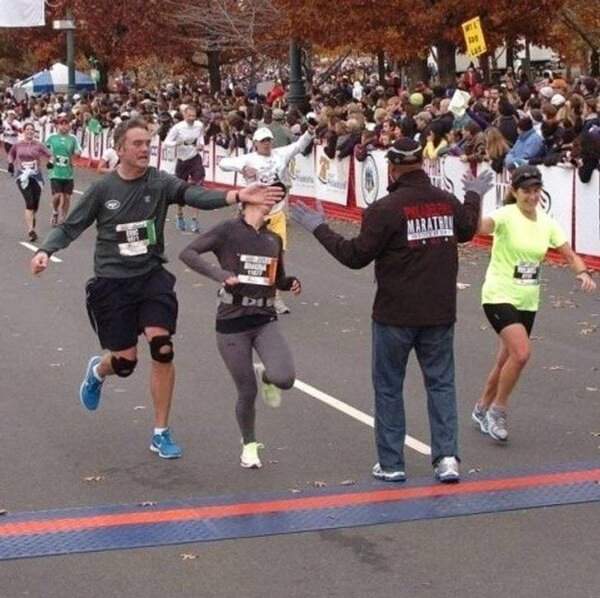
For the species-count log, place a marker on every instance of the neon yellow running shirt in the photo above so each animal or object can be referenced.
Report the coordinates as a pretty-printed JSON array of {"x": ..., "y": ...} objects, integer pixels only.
[{"x": 519, "y": 246}]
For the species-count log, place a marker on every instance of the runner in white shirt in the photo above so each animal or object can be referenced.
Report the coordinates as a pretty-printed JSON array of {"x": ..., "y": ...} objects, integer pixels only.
[
  {"x": 109, "y": 160},
  {"x": 188, "y": 138},
  {"x": 11, "y": 128},
  {"x": 270, "y": 166}
]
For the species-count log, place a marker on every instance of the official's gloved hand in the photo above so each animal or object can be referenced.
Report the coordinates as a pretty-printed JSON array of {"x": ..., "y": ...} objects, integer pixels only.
[
  {"x": 480, "y": 184},
  {"x": 306, "y": 216},
  {"x": 11, "y": 169}
]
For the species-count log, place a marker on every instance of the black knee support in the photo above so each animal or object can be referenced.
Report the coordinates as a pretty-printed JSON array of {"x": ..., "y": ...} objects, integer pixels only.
[
  {"x": 157, "y": 350},
  {"x": 122, "y": 366}
]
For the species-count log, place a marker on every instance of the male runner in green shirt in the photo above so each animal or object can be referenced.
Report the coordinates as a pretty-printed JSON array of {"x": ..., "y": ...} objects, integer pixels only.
[
  {"x": 132, "y": 293},
  {"x": 63, "y": 146}
]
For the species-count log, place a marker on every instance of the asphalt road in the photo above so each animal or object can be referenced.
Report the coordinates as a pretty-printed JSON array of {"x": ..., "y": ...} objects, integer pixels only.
[{"x": 50, "y": 444}]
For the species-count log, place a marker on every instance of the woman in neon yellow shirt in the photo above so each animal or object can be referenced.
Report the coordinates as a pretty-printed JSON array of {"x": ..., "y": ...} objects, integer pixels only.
[{"x": 511, "y": 290}]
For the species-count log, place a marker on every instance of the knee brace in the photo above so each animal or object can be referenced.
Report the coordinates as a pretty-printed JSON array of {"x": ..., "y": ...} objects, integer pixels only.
[
  {"x": 157, "y": 351},
  {"x": 122, "y": 366}
]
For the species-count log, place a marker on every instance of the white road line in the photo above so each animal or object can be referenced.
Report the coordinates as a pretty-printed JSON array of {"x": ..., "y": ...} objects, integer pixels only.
[
  {"x": 34, "y": 248},
  {"x": 411, "y": 442}
]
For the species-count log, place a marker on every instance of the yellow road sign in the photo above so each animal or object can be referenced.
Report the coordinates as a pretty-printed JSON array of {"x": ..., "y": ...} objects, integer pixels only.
[{"x": 474, "y": 37}]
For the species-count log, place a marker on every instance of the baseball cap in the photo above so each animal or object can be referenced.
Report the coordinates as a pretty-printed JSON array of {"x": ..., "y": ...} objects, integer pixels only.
[
  {"x": 416, "y": 99},
  {"x": 405, "y": 151},
  {"x": 558, "y": 100},
  {"x": 278, "y": 114},
  {"x": 262, "y": 134},
  {"x": 526, "y": 176}
]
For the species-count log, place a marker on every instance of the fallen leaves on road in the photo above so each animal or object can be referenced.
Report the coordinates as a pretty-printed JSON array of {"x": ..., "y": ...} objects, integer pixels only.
[
  {"x": 147, "y": 503},
  {"x": 461, "y": 286},
  {"x": 591, "y": 388},
  {"x": 188, "y": 556},
  {"x": 3, "y": 512},
  {"x": 348, "y": 483},
  {"x": 319, "y": 484},
  {"x": 139, "y": 407},
  {"x": 554, "y": 368},
  {"x": 93, "y": 478},
  {"x": 561, "y": 302}
]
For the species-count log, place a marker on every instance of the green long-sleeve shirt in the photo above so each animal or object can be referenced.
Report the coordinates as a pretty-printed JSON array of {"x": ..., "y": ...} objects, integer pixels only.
[{"x": 130, "y": 219}]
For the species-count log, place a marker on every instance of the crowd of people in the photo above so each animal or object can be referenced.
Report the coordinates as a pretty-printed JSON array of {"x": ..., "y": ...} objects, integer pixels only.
[{"x": 412, "y": 234}]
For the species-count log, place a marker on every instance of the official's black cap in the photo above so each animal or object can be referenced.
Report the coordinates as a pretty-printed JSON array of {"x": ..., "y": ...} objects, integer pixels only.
[
  {"x": 405, "y": 151},
  {"x": 526, "y": 176}
]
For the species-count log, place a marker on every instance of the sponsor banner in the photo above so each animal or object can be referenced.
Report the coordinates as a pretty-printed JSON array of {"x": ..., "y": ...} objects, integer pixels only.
[
  {"x": 447, "y": 173},
  {"x": 494, "y": 199},
  {"x": 370, "y": 178},
  {"x": 557, "y": 196},
  {"x": 208, "y": 153},
  {"x": 332, "y": 178},
  {"x": 154, "y": 151},
  {"x": 224, "y": 178},
  {"x": 167, "y": 158},
  {"x": 302, "y": 174},
  {"x": 587, "y": 215}
]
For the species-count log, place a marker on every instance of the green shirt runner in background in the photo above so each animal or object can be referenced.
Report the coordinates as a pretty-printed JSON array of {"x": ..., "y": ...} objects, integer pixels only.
[
  {"x": 520, "y": 244},
  {"x": 62, "y": 148}
]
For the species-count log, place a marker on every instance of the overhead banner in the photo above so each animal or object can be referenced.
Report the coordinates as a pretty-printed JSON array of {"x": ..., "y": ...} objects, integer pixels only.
[
  {"x": 22, "y": 13},
  {"x": 333, "y": 178},
  {"x": 370, "y": 178}
]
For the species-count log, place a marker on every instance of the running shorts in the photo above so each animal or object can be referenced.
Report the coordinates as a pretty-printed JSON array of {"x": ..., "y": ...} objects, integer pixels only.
[
  {"x": 501, "y": 315},
  {"x": 31, "y": 194},
  {"x": 62, "y": 186},
  {"x": 277, "y": 224},
  {"x": 192, "y": 169},
  {"x": 121, "y": 308}
]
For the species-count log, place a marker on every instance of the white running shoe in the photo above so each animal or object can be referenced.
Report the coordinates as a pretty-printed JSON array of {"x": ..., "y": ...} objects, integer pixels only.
[
  {"x": 249, "y": 458},
  {"x": 497, "y": 426},
  {"x": 271, "y": 395},
  {"x": 446, "y": 470},
  {"x": 478, "y": 415}
]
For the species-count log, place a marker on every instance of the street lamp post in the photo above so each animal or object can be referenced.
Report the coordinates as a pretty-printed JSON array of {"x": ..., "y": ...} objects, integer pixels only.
[
  {"x": 297, "y": 94},
  {"x": 68, "y": 25}
]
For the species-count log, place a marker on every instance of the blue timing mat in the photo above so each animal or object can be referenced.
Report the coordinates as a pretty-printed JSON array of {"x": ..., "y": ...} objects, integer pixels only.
[{"x": 118, "y": 527}]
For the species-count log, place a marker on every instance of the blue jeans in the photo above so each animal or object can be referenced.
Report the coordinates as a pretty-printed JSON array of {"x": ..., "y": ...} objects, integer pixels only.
[{"x": 435, "y": 353}]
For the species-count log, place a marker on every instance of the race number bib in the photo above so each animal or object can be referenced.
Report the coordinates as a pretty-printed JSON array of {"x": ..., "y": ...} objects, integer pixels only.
[
  {"x": 134, "y": 238},
  {"x": 31, "y": 166},
  {"x": 62, "y": 161},
  {"x": 256, "y": 269},
  {"x": 527, "y": 273}
]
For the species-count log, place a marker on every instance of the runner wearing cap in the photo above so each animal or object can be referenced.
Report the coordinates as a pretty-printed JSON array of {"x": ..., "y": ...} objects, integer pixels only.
[
  {"x": 270, "y": 165},
  {"x": 24, "y": 162},
  {"x": 63, "y": 146},
  {"x": 412, "y": 234},
  {"x": 187, "y": 137},
  {"x": 251, "y": 270},
  {"x": 511, "y": 291}
]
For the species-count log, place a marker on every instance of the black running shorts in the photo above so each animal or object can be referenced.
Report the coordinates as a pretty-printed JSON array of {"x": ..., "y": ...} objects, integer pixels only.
[
  {"x": 62, "y": 186},
  {"x": 501, "y": 315},
  {"x": 121, "y": 308},
  {"x": 192, "y": 169},
  {"x": 31, "y": 194}
]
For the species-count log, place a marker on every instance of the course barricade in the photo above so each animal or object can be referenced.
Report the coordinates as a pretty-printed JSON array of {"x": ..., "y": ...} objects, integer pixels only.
[{"x": 349, "y": 186}]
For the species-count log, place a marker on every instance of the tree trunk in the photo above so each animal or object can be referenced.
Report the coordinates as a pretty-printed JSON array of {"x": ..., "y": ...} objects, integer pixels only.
[
  {"x": 510, "y": 53},
  {"x": 446, "y": 52},
  {"x": 417, "y": 70},
  {"x": 595, "y": 63},
  {"x": 484, "y": 63},
  {"x": 381, "y": 66},
  {"x": 214, "y": 70}
]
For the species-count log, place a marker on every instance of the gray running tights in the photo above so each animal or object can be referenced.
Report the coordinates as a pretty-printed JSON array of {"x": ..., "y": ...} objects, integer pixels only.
[{"x": 236, "y": 351}]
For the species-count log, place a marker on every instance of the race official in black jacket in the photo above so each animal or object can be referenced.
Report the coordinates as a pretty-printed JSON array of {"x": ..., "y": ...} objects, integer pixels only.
[{"x": 412, "y": 234}]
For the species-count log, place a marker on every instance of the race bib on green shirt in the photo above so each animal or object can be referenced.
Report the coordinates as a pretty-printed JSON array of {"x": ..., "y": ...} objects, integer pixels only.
[
  {"x": 527, "y": 273},
  {"x": 134, "y": 238}
]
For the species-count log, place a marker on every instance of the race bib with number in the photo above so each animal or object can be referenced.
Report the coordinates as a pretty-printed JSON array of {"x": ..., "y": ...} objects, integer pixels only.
[
  {"x": 32, "y": 166},
  {"x": 134, "y": 238},
  {"x": 527, "y": 273},
  {"x": 257, "y": 269}
]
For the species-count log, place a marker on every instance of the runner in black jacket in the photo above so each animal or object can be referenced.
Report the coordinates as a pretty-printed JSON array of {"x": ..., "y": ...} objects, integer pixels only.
[{"x": 412, "y": 235}]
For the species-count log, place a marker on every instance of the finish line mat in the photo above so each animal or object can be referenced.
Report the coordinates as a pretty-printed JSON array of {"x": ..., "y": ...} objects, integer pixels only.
[{"x": 117, "y": 527}]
